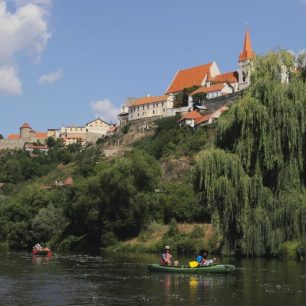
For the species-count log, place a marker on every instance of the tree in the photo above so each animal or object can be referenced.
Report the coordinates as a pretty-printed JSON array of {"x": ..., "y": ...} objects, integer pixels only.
[
  {"x": 255, "y": 186},
  {"x": 1, "y": 136}
]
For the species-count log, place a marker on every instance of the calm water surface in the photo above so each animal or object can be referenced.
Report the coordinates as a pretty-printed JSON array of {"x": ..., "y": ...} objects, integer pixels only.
[{"x": 124, "y": 280}]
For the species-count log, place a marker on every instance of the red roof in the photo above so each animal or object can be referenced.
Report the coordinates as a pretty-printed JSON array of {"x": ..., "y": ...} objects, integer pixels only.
[
  {"x": 68, "y": 181},
  {"x": 41, "y": 135},
  {"x": 228, "y": 77},
  {"x": 214, "y": 115},
  {"x": 25, "y": 125},
  {"x": 191, "y": 115},
  {"x": 13, "y": 136},
  {"x": 147, "y": 100},
  {"x": 212, "y": 88},
  {"x": 247, "y": 52},
  {"x": 204, "y": 119},
  {"x": 189, "y": 77}
]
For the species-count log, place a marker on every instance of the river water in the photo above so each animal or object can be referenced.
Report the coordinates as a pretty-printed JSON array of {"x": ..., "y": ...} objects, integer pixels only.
[{"x": 124, "y": 280}]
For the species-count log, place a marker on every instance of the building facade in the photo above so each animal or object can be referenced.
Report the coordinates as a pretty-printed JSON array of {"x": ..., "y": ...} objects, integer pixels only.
[{"x": 149, "y": 107}]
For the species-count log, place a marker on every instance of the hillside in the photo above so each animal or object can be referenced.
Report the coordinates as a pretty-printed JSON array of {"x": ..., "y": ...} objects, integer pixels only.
[{"x": 245, "y": 174}]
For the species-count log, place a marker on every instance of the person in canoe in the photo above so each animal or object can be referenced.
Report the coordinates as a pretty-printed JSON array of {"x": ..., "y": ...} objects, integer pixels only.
[
  {"x": 39, "y": 250},
  {"x": 166, "y": 257},
  {"x": 37, "y": 247},
  {"x": 202, "y": 258}
]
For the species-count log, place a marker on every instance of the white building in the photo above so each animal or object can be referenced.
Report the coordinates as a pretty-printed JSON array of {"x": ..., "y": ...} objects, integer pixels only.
[
  {"x": 97, "y": 126},
  {"x": 213, "y": 91},
  {"x": 148, "y": 107}
]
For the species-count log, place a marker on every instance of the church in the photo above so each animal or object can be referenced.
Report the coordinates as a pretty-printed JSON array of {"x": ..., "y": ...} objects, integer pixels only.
[
  {"x": 211, "y": 81},
  {"x": 206, "y": 80}
]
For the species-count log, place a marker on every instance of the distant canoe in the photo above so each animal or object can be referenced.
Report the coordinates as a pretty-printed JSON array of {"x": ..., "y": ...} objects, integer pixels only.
[
  {"x": 223, "y": 268},
  {"x": 42, "y": 252}
]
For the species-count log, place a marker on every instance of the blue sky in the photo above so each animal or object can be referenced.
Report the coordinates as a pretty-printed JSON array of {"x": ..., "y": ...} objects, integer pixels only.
[{"x": 68, "y": 61}]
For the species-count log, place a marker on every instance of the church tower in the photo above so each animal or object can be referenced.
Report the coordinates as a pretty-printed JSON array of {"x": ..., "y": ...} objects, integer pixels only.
[{"x": 245, "y": 62}]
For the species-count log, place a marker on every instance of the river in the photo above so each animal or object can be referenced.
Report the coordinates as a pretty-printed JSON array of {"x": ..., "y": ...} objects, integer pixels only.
[{"x": 123, "y": 279}]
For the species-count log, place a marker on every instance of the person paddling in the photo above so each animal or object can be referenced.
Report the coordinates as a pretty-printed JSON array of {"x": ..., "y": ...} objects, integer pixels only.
[
  {"x": 166, "y": 257},
  {"x": 202, "y": 258}
]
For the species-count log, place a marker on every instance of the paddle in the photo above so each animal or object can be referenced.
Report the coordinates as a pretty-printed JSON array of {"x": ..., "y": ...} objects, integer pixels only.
[{"x": 193, "y": 264}]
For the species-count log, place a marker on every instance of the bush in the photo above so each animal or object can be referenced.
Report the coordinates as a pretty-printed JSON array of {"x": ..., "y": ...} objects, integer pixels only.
[
  {"x": 288, "y": 249},
  {"x": 71, "y": 243},
  {"x": 197, "y": 232}
]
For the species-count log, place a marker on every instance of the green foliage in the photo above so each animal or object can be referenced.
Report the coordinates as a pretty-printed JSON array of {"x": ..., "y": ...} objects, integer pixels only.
[
  {"x": 256, "y": 193},
  {"x": 125, "y": 129},
  {"x": 72, "y": 243},
  {"x": 199, "y": 97},
  {"x": 288, "y": 249},
  {"x": 1, "y": 136},
  {"x": 181, "y": 98},
  {"x": 48, "y": 223},
  {"x": 172, "y": 140},
  {"x": 180, "y": 203}
]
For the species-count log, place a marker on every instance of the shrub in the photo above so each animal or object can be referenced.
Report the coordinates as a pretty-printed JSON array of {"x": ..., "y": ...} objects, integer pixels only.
[{"x": 288, "y": 249}]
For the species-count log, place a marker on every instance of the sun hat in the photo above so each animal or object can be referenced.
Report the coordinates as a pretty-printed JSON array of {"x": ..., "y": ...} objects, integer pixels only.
[{"x": 167, "y": 247}]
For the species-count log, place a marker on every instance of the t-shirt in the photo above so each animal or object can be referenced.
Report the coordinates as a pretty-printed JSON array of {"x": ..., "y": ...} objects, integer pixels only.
[
  {"x": 199, "y": 259},
  {"x": 165, "y": 258}
]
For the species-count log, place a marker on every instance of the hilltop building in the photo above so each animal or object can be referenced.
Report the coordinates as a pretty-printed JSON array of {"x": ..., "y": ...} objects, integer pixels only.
[
  {"x": 73, "y": 134},
  {"x": 83, "y": 135},
  {"x": 96, "y": 129},
  {"x": 148, "y": 107},
  {"x": 207, "y": 81},
  {"x": 26, "y": 135}
]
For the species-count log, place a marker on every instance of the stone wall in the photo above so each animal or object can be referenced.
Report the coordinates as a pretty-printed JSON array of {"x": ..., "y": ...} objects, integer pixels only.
[
  {"x": 215, "y": 103},
  {"x": 11, "y": 144},
  {"x": 15, "y": 144}
]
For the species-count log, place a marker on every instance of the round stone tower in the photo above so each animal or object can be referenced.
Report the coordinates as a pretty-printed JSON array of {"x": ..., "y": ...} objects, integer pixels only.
[{"x": 25, "y": 130}]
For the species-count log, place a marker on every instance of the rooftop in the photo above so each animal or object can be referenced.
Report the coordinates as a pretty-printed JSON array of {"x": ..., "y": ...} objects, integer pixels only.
[
  {"x": 189, "y": 77},
  {"x": 212, "y": 88},
  {"x": 148, "y": 100}
]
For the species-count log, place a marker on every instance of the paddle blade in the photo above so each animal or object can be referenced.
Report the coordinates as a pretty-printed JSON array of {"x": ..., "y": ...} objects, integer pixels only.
[{"x": 193, "y": 264}]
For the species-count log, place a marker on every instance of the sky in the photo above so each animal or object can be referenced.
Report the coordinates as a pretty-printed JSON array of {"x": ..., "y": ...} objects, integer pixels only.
[{"x": 66, "y": 62}]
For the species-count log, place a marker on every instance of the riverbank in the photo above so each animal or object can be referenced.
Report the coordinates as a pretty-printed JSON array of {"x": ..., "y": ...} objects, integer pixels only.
[{"x": 183, "y": 239}]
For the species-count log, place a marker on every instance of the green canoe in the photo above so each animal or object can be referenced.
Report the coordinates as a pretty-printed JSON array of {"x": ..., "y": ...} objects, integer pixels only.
[{"x": 186, "y": 269}]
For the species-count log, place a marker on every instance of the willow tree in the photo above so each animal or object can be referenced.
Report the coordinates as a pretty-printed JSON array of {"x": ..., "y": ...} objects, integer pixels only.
[
  {"x": 235, "y": 201},
  {"x": 267, "y": 127},
  {"x": 255, "y": 188}
]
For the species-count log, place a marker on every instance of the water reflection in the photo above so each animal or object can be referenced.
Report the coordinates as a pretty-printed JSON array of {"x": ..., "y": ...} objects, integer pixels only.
[
  {"x": 41, "y": 260},
  {"x": 194, "y": 289}
]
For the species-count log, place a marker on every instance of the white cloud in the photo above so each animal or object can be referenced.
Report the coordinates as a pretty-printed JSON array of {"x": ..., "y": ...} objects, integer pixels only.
[
  {"x": 10, "y": 83},
  {"x": 24, "y": 31},
  {"x": 51, "y": 77},
  {"x": 105, "y": 109}
]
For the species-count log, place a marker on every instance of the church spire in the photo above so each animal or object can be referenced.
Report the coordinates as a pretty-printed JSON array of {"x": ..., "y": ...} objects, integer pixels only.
[{"x": 247, "y": 53}]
